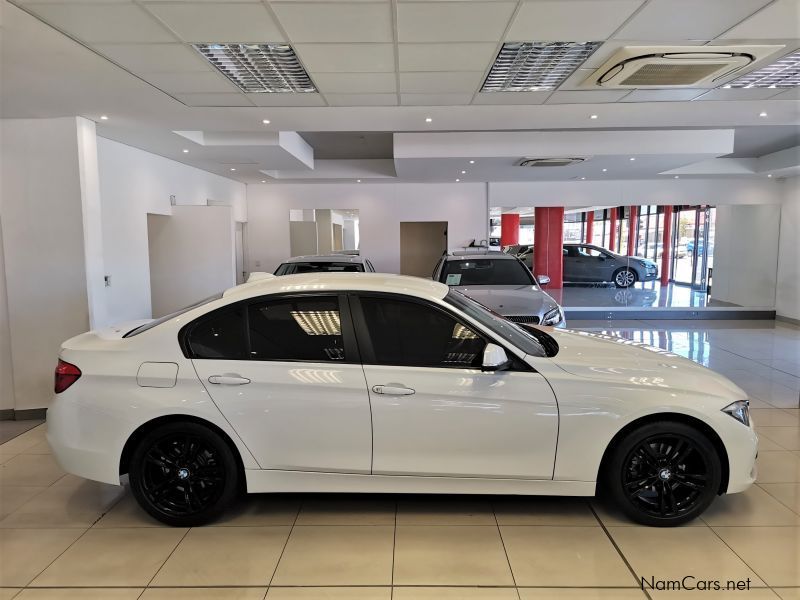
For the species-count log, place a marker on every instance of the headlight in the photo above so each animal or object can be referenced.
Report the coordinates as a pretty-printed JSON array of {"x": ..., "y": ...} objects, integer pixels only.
[
  {"x": 739, "y": 410},
  {"x": 553, "y": 316}
]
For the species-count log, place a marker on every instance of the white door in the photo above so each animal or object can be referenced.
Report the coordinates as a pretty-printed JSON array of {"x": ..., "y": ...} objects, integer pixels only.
[
  {"x": 278, "y": 370},
  {"x": 434, "y": 412}
]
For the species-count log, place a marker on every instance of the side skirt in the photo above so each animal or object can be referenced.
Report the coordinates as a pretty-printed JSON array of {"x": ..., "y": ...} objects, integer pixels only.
[{"x": 266, "y": 481}]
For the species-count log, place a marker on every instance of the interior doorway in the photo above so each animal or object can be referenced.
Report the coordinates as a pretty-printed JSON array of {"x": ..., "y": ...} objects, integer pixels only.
[{"x": 422, "y": 243}]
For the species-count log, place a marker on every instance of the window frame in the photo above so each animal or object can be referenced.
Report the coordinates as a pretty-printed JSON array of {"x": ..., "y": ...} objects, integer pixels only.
[{"x": 349, "y": 341}]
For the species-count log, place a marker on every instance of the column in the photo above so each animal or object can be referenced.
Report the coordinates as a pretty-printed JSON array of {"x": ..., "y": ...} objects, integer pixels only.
[
  {"x": 509, "y": 229},
  {"x": 666, "y": 245},
  {"x": 612, "y": 238},
  {"x": 548, "y": 256},
  {"x": 589, "y": 226},
  {"x": 633, "y": 229}
]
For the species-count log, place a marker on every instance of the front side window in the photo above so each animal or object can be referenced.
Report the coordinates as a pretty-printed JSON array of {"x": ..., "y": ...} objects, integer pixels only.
[
  {"x": 485, "y": 271},
  {"x": 418, "y": 335}
]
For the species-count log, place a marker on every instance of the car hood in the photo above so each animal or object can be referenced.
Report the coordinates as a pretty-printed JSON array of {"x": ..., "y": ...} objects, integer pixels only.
[
  {"x": 615, "y": 359},
  {"x": 511, "y": 299}
]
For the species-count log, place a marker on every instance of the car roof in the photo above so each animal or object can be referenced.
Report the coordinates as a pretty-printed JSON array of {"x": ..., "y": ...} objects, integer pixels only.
[
  {"x": 348, "y": 258},
  {"x": 362, "y": 282},
  {"x": 473, "y": 256}
]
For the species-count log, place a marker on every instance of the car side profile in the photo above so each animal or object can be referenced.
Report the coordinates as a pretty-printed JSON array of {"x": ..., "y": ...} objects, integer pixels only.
[
  {"x": 383, "y": 383},
  {"x": 589, "y": 263},
  {"x": 326, "y": 263}
]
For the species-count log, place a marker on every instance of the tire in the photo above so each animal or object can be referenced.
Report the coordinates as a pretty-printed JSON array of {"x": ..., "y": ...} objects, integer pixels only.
[
  {"x": 663, "y": 474},
  {"x": 625, "y": 277},
  {"x": 184, "y": 474}
]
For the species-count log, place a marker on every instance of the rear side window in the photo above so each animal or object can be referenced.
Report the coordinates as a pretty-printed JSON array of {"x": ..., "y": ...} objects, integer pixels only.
[{"x": 220, "y": 336}]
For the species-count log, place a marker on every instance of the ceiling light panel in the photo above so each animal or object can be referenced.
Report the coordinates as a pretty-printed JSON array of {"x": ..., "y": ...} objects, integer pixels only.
[
  {"x": 783, "y": 73},
  {"x": 258, "y": 68},
  {"x": 535, "y": 66}
]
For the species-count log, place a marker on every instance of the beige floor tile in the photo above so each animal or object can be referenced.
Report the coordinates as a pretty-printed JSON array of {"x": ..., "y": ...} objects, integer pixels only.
[
  {"x": 772, "y": 552},
  {"x": 444, "y": 510},
  {"x": 9, "y": 593},
  {"x": 30, "y": 469},
  {"x": 323, "y": 593},
  {"x": 331, "y": 509},
  {"x": 613, "y": 517},
  {"x": 459, "y": 593},
  {"x": 751, "y": 507},
  {"x": 215, "y": 593},
  {"x": 681, "y": 551},
  {"x": 127, "y": 513},
  {"x": 112, "y": 557},
  {"x": 792, "y": 593},
  {"x": 450, "y": 555},
  {"x": 14, "y": 496},
  {"x": 787, "y": 437},
  {"x": 787, "y": 493},
  {"x": 224, "y": 556},
  {"x": 80, "y": 594},
  {"x": 775, "y": 417},
  {"x": 70, "y": 502},
  {"x": 564, "y": 556},
  {"x": 4, "y": 458},
  {"x": 337, "y": 555},
  {"x": 24, "y": 441},
  {"x": 537, "y": 510},
  {"x": 767, "y": 445},
  {"x": 581, "y": 593},
  {"x": 40, "y": 448},
  {"x": 778, "y": 467},
  {"x": 258, "y": 510},
  {"x": 751, "y": 594},
  {"x": 24, "y": 553}
]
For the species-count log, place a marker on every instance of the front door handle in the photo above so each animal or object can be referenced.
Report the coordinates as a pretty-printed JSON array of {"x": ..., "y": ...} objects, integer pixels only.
[
  {"x": 228, "y": 379},
  {"x": 392, "y": 390}
]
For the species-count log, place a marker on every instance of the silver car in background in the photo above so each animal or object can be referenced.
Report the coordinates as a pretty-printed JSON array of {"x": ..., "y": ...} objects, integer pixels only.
[{"x": 502, "y": 283}]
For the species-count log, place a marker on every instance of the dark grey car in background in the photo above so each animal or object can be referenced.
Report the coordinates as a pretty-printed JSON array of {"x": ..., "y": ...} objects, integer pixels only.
[
  {"x": 590, "y": 263},
  {"x": 502, "y": 283}
]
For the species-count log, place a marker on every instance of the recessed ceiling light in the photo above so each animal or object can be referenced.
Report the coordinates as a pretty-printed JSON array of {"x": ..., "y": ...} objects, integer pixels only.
[
  {"x": 428, "y": 119},
  {"x": 457, "y": 180},
  {"x": 633, "y": 158},
  {"x": 104, "y": 117},
  {"x": 769, "y": 174},
  {"x": 472, "y": 162},
  {"x": 583, "y": 178},
  {"x": 259, "y": 68},
  {"x": 265, "y": 121},
  {"x": 677, "y": 176},
  {"x": 783, "y": 73},
  {"x": 534, "y": 66},
  {"x": 604, "y": 170},
  {"x": 762, "y": 114},
  {"x": 463, "y": 172},
  {"x": 358, "y": 181},
  {"x": 185, "y": 151},
  {"x": 263, "y": 181},
  {"x": 233, "y": 168},
  {"x": 592, "y": 116}
]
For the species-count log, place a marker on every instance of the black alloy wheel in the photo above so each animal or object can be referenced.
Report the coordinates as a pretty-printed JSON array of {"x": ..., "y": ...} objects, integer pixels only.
[
  {"x": 183, "y": 474},
  {"x": 664, "y": 474}
]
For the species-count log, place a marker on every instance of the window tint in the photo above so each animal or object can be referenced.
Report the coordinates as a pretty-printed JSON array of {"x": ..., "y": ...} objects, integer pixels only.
[
  {"x": 589, "y": 251},
  {"x": 296, "y": 329},
  {"x": 220, "y": 336},
  {"x": 413, "y": 334},
  {"x": 485, "y": 271},
  {"x": 324, "y": 267}
]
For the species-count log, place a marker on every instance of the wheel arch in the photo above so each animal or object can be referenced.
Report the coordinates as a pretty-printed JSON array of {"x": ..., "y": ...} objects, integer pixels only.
[{"x": 698, "y": 424}]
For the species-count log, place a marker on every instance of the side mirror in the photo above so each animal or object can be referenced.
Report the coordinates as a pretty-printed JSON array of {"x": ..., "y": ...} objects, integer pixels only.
[
  {"x": 494, "y": 358},
  {"x": 543, "y": 279}
]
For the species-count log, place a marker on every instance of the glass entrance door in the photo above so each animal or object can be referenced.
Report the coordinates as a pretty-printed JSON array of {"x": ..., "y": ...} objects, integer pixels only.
[{"x": 692, "y": 247}]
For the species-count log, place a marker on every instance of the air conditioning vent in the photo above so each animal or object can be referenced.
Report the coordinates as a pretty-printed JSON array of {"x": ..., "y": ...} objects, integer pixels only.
[
  {"x": 549, "y": 162},
  {"x": 676, "y": 67}
]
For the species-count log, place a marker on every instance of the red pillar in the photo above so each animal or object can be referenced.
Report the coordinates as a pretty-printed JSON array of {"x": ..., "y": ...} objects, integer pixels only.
[
  {"x": 548, "y": 237},
  {"x": 633, "y": 229},
  {"x": 509, "y": 229},
  {"x": 666, "y": 245},
  {"x": 589, "y": 226},
  {"x": 612, "y": 238}
]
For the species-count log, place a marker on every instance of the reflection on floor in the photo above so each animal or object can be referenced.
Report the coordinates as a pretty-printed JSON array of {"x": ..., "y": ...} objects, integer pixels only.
[
  {"x": 11, "y": 429},
  {"x": 63, "y": 537},
  {"x": 650, "y": 293}
]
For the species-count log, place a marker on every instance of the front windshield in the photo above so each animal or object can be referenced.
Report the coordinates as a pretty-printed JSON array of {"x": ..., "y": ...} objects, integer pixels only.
[
  {"x": 486, "y": 271},
  {"x": 501, "y": 326}
]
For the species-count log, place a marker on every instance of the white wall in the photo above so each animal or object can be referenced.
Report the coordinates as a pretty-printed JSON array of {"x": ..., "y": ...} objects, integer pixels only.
[
  {"x": 6, "y": 371},
  {"x": 134, "y": 183},
  {"x": 381, "y": 208},
  {"x": 787, "y": 301}
]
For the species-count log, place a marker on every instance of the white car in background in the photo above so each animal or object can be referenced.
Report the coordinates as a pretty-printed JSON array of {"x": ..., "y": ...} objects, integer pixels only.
[
  {"x": 326, "y": 263},
  {"x": 384, "y": 383}
]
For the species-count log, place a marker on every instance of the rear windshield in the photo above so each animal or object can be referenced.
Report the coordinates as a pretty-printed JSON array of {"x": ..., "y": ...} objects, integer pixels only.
[
  {"x": 485, "y": 271},
  {"x": 320, "y": 267},
  {"x": 165, "y": 318}
]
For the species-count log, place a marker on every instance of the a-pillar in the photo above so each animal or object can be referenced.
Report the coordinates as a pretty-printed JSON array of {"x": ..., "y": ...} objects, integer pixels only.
[
  {"x": 666, "y": 245},
  {"x": 509, "y": 229},
  {"x": 612, "y": 238},
  {"x": 548, "y": 251},
  {"x": 633, "y": 229},
  {"x": 589, "y": 226}
]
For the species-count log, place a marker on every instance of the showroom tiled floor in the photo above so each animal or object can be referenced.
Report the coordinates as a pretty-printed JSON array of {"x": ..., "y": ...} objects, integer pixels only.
[{"x": 63, "y": 537}]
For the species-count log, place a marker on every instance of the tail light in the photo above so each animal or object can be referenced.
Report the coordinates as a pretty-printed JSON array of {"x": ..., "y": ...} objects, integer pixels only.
[{"x": 66, "y": 375}]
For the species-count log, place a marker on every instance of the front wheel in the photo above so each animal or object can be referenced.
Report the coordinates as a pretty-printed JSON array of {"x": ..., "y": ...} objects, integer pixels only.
[
  {"x": 664, "y": 474},
  {"x": 624, "y": 278},
  {"x": 183, "y": 474}
]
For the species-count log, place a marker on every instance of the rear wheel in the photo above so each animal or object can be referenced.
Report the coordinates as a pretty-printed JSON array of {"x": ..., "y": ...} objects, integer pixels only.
[
  {"x": 624, "y": 278},
  {"x": 664, "y": 474},
  {"x": 183, "y": 474}
]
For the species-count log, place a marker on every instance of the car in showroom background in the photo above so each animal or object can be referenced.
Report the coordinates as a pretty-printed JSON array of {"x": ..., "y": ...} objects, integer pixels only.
[{"x": 383, "y": 383}]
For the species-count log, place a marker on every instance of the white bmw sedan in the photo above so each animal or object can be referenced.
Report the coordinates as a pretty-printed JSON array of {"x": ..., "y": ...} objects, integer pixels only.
[{"x": 381, "y": 383}]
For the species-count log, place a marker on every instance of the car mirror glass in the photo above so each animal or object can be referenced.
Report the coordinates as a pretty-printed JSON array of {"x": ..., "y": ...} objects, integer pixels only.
[{"x": 543, "y": 279}]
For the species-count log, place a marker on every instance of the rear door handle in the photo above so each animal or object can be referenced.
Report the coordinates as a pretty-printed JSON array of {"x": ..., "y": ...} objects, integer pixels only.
[
  {"x": 228, "y": 379},
  {"x": 392, "y": 390}
]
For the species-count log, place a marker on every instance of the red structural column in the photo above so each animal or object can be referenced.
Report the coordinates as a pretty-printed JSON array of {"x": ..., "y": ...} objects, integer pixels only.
[
  {"x": 633, "y": 229},
  {"x": 612, "y": 238},
  {"x": 548, "y": 251},
  {"x": 589, "y": 226},
  {"x": 509, "y": 229},
  {"x": 666, "y": 245}
]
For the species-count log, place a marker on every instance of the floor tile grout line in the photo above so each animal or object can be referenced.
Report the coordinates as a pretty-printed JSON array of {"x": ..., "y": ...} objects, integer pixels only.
[
  {"x": 394, "y": 547},
  {"x": 719, "y": 537},
  {"x": 619, "y": 551},
  {"x": 285, "y": 544},
  {"x": 776, "y": 498},
  {"x": 180, "y": 541},
  {"x": 75, "y": 541},
  {"x": 505, "y": 550}
]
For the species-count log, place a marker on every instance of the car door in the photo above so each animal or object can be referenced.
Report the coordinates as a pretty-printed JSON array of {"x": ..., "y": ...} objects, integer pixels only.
[
  {"x": 285, "y": 372},
  {"x": 574, "y": 268},
  {"x": 434, "y": 412}
]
